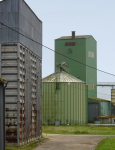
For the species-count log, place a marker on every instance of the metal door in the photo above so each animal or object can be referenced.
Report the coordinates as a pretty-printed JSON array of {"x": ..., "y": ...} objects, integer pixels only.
[{"x": 93, "y": 111}]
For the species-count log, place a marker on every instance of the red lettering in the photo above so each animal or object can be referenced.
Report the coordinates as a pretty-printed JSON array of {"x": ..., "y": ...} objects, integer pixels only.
[{"x": 70, "y": 44}]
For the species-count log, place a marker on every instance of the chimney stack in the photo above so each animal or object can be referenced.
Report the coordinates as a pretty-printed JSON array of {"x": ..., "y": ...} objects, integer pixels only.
[{"x": 73, "y": 34}]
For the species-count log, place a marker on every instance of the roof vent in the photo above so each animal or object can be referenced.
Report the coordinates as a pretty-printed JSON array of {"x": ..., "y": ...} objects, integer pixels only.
[{"x": 73, "y": 34}]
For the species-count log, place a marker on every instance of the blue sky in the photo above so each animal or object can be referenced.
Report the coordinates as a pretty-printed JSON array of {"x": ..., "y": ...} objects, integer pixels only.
[{"x": 86, "y": 17}]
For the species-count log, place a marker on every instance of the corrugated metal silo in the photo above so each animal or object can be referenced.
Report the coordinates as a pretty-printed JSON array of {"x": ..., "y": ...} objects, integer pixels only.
[{"x": 64, "y": 99}]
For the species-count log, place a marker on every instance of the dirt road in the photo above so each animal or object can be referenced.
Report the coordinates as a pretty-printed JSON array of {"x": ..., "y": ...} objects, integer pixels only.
[{"x": 70, "y": 142}]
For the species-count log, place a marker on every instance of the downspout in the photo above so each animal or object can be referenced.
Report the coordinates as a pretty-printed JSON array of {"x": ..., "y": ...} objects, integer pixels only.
[
  {"x": 4, "y": 115},
  {"x": 18, "y": 96},
  {"x": 86, "y": 103}
]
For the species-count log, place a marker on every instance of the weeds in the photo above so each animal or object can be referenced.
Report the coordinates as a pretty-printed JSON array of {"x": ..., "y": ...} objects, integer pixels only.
[
  {"x": 80, "y": 129},
  {"x": 29, "y": 146}
]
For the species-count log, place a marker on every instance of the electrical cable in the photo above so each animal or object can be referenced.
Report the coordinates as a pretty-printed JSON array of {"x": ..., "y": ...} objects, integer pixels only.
[
  {"x": 79, "y": 88},
  {"x": 90, "y": 91},
  {"x": 57, "y": 52},
  {"x": 82, "y": 88}
]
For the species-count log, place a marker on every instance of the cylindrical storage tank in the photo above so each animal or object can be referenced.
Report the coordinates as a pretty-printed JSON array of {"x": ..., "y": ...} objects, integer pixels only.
[
  {"x": 2, "y": 115},
  {"x": 64, "y": 100}
]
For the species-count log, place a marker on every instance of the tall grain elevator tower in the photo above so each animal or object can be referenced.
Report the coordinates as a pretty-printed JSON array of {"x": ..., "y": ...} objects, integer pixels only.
[
  {"x": 84, "y": 50},
  {"x": 20, "y": 65}
]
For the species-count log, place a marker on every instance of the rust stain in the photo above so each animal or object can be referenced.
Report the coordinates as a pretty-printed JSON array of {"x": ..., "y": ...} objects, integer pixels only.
[
  {"x": 7, "y": 109},
  {"x": 11, "y": 130},
  {"x": 20, "y": 137}
]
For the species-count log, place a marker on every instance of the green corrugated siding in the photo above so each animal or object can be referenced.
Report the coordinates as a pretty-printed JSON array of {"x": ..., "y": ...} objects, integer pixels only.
[
  {"x": 104, "y": 106},
  {"x": 86, "y": 102},
  {"x": 79, "y": 53},
  {"x": 67, "y": 103},
  {"x": 91, "y": 74}
]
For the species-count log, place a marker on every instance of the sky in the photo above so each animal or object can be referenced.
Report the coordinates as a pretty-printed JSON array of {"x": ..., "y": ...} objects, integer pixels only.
[{"x": 86, "y": 17}]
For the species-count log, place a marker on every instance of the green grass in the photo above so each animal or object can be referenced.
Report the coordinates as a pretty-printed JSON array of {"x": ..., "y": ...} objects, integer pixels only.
[
  {"x": 29, "y": 146},
  {"x": 106, "y": 144},
  {"x": 80, "y": 129}
]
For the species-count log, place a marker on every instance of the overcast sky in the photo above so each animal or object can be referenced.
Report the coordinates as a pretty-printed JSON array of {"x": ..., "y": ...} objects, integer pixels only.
[{"x": 86, "y": 17}]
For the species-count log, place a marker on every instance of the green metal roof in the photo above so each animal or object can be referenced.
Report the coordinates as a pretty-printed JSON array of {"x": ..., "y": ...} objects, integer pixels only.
[
  {"x": 61, "y": 77},
  {"x": 76, "y": 37}
]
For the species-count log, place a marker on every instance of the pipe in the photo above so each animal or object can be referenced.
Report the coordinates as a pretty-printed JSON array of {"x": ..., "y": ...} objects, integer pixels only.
[
  {"x": 4, "y": 114},
  {"x": 73, "y": 34},
  {"x": 18, "y": 95}
]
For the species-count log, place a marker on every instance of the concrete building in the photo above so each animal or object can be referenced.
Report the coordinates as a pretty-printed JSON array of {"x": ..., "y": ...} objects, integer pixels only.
[{"x": 20, "y": 65}]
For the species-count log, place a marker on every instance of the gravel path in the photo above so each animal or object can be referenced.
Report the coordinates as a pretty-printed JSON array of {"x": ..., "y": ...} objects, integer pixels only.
[{"x": 70, "y": 142}]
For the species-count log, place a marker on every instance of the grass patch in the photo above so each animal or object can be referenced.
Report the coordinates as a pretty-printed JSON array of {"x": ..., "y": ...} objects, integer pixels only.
[
  {"x": 106, "y": 144},
  {"x": 80, "y": 129},
  {"x": 29, "y": 146}
]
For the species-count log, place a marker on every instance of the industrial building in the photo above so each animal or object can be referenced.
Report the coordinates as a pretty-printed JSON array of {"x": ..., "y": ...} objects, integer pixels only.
[
  {"x": 108, "y": 93},
  {"x": 105, "y": 88},
  {"x": 20, "y": 65},
  {"x": 81, "y": 49},
  {"x": 64, "y": 99},
  {"x": 60, "y": 102},
  {"x": 98, "y": 107},
  {"x": 113, "y": 102},
  {"x": 104, "y": 120}
]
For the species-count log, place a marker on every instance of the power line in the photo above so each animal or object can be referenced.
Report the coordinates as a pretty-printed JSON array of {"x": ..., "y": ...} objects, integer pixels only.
[
  {"x": 55, "y": 51},
  {"x": 59, "y": 54},
  {"x": 88, "y": 90},
  {"x": 77, "y": 87}
]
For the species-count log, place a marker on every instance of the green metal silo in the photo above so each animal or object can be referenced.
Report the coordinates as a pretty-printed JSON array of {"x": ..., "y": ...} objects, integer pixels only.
[
  {"x": 82, "y": 49},
  {"x": 64, "y": 99}
]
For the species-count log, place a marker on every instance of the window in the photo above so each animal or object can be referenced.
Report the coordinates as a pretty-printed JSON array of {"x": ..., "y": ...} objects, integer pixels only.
[{"x": 91, "y": 54}]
